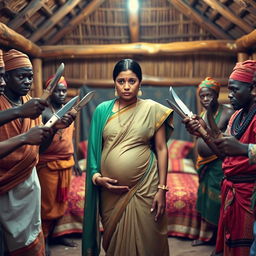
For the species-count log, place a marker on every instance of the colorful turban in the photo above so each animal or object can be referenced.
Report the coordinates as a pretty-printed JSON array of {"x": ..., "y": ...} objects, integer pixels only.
[
  {"x": 1, "y": 59},
  {"x": 244, "y": 71},
  {"x": 209, "y": 82},
  {"x": 61, "y": 81},
  {"x": 14, "y": 59}
]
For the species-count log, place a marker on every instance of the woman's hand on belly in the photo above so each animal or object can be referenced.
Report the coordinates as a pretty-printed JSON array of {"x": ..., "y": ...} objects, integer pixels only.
[{"x": 111, "y": 185}]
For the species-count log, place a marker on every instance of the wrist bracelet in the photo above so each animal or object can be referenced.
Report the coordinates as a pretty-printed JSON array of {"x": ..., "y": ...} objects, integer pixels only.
[
  {"x": 97, "y": 174},
  {"x": 164, "y": 187}
]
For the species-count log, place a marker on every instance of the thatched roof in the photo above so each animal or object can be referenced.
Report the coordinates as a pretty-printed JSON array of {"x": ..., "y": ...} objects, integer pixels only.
[{"x": 47, "y": 22}]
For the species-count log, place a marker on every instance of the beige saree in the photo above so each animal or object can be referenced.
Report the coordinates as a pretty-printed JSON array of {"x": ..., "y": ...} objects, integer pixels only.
[{"x": 129, "y": 226}]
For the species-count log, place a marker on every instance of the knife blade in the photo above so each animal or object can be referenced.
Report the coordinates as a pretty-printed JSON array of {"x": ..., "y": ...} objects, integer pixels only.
[
  {"x": 82, "y": 103},
  {"x": 49, "y": 89},
  {"x": 61, "y": 112},
  {"x": 180, "y": 103}
]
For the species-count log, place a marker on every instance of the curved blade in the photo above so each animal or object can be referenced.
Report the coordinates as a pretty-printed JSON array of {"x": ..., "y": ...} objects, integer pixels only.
[
  {"x": 61, "y": 112},
  {"x": 48, "y": 91},
  {"x": 84, "y": 100},
  {"x": 180, "y": 103},
  {"x": 66, "y": 107}
]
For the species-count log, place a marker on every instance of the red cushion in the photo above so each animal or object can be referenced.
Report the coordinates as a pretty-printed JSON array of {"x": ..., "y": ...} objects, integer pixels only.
[{"x": 179, "y": 148}]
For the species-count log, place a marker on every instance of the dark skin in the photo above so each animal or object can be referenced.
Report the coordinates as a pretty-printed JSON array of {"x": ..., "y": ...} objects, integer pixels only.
[
  {"x": 208, "y": 99},
  {"x": 241, "y": 96},
  {"x": 208, "y": 96},
  {"x": 2, "y": 81},
  {"x": 34, "y": 136},
  {"x": 56, "y": 102}
]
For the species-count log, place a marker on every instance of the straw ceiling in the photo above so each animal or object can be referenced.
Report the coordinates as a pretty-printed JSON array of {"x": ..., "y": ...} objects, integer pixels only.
[{"x": 46, "y": 22}]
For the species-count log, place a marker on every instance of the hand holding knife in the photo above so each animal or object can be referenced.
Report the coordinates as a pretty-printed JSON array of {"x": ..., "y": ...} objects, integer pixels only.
[
  {"x": 182, "y": 110},
  {"x": 82, "y": 103},
  {"x": 61, "y": 112}
]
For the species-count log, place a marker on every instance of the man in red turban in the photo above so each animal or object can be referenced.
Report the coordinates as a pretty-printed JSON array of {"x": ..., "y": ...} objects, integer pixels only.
[
  {"x": 240, "y": 174},
  {"x": 235, "y": 228}
]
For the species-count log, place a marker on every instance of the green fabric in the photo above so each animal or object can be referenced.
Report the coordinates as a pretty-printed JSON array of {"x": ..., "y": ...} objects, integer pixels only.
[
  {"x": 208, "y": 201},
  {"x": 91, "y": 236}
]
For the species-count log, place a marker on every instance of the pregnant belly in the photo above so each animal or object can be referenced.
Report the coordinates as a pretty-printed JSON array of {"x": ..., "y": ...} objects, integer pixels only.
[{"x": 127, "y": 168}]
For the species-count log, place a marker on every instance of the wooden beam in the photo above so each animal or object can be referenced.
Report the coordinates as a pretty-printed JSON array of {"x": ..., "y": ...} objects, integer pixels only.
[
  {"x": 246, "y": 42},
  {"x": 89, "y": 9},
  {"x": 148, "y": 49},
  {"x": 50, "y": 22},
  {"x": 37, "y": 81},
  {"x": 26, "y": 13},
  {"x": 11, "y": 39},
  {"x": 147, "y": 80},
  {"x": 225, "y": 12},
  {"x": 199, "y": 19},
  {"x": 134, "y": 26}
]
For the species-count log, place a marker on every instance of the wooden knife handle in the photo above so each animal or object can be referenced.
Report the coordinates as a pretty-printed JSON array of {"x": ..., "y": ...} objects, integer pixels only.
[{"x": 209, "y": 141}]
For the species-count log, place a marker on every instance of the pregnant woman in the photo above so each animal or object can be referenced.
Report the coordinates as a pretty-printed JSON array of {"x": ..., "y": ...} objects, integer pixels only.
[{"x": 126, "y": 171}]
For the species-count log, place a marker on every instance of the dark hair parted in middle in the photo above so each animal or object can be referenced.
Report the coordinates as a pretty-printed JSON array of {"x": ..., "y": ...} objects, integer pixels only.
[{"x": 127, "y": 64}]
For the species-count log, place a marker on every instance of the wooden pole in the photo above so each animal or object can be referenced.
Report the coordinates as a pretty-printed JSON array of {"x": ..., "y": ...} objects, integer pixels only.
[
  {"x": 37, "y": 83},
  {"x": 242, "y": 56},
  {"x": 147, "y": 80},
  {"x": 11, "y": 39},
  {"x": 147, "y": 49},
  {"x": 134, "y": 25}
]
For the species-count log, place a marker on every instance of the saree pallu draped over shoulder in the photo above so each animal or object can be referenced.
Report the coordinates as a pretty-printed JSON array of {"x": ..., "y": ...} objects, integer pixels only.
[{"x": 129, "y": 227}]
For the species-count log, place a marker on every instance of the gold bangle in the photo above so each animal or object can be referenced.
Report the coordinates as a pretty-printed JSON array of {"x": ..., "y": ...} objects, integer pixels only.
[
  {"x": 164, "y": 187},
  {"x": 97, "y": 174}
]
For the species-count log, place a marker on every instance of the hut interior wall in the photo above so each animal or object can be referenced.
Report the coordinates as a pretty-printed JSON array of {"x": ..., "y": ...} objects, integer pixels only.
[{"x": 169, "y": 67}]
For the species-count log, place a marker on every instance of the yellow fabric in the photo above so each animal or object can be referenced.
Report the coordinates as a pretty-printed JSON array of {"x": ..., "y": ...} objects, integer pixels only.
[
  {"x": 126, "y": 157},
  {"x": 61, "y": 164},
  {"x": 204, "y": 160}
]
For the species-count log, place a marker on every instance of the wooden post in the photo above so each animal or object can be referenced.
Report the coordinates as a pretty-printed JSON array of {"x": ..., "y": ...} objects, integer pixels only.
[
  {"x": 37, "y": 83},
  {"x": 11, "y": 39},
  {"x": 242, "y": 56}
]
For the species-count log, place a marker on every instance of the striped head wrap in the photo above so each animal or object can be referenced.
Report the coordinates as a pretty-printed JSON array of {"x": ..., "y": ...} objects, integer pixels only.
[
  {"x": 244, "y": 71},
  {"x": 61, "y": 81},
  {"x": 209, "y": 82},
  {"x": 14, "y": 59}
]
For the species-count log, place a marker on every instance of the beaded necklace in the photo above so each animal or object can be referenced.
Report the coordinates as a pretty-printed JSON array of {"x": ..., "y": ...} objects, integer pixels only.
[{"x": 241, "y": 122}]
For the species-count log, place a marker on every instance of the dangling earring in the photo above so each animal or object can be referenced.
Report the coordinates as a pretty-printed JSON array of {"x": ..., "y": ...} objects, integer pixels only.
[
  {"x": 139, "y": 93},
  {"x": 116, "y": 94}
]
